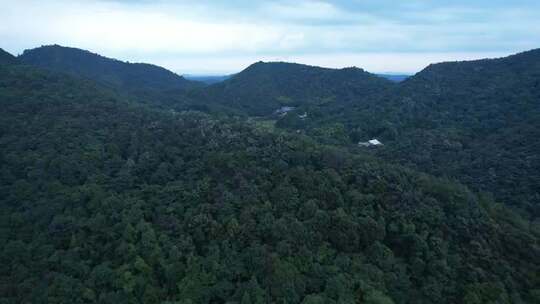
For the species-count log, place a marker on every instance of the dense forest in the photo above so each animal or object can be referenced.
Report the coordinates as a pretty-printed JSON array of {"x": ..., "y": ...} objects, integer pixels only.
[
  {"x": 263, "y": 87},
  {"x": 477, "y": 122},
  {"x": 131, "y": 76},
  {"x": 107, "y": 199},
  {"x": 145, "y": 82},
  {"x": 6, "y": 58}
]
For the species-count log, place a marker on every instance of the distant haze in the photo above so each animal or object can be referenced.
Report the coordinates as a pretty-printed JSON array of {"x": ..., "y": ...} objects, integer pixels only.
[{"x": 223, "y": 37}]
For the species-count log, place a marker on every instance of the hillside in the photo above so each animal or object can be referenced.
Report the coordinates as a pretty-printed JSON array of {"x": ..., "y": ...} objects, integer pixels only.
[
  {"x": 475, "y": 121},
  {"x": 138, "y": 79},
  {"x": 262, "y": 88},
  {"x": 111, "y": 202},
  {"x": 7, "y": 58},
  {"x": 471, "y": 121}
]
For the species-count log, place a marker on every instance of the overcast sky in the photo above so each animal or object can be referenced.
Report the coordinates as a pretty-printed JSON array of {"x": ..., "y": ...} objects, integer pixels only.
[{"x": 224, "y": 36}]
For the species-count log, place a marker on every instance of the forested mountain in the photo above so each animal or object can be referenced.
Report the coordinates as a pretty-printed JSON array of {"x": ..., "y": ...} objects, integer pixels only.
[
  {"x": 484, "y": 119},
  {"x": 262, "y": 88},
  {"x": 475, "y": 121},
  {"x": 106, "y": 199},
  {"x": 6, "y": 58},
  {"x": 140, "y": 80},
  {"x": 103, "y": 200}
]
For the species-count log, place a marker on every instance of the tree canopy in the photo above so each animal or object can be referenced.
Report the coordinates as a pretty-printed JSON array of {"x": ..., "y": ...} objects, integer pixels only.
[{"x": 111, "y": 201}]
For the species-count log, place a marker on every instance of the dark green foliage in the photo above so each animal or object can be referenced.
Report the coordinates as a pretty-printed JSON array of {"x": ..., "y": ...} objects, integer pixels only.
[
  {"x": 477, "y": 122},
  {"x": 262, "y": 88},
  {"x": 7, "y": 58},
  {"x": 111, "y": 202},
  {"x": 131, "y": 76},
  {"x": 142, "y": 80},
  {"x": 144, "y": 83}
]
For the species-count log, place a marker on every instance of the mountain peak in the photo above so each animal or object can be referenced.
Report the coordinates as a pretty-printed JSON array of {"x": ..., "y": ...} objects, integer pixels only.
[
  {"x": 130, "y": 76},
  {"x": 263, "y": 87},
  {"x": 50, "y": 50},
  {"x": 516, "y": 62},
  {"x": 278, "y": 67}
]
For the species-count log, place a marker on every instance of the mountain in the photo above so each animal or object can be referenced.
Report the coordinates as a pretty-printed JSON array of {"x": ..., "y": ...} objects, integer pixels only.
[
  {"x": 394, "y": 77},
  {"x": 471, "y": 121},
  {"x": 104, "y": 200},
  {"x": 262, "y": 88},
  {"x": 7, "y": 58},
  {"x": 208, "y": 79},
  {"x": 138, "y": 79},
  {"x": 474, "y": 121}
]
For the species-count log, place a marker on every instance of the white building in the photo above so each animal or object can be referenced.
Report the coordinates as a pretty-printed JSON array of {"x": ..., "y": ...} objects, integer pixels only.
[
  {"x": 283, "y": 110},
  {"x": 369, "y": 143}
]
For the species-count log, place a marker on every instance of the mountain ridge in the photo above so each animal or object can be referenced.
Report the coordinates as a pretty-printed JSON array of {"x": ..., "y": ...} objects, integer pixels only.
[
  {"x": 7, "y": 58},
  {"x": 447, "y": 109},
  {"x": 473, "y": 121},
  {"x": 130, "y": 76},
  {"x": 263, "y": 87},
  {"x": 116, "y": 202}
]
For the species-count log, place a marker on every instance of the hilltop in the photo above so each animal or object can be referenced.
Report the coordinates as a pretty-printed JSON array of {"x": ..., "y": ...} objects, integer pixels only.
[
  {"x": 137, "y": 79},
  {"x": 262, "y": 88}
]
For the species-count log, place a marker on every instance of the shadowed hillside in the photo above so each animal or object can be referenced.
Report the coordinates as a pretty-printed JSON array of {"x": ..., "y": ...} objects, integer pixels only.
[
  {"x": 137, "y": 79},
  {"x": 262, "y": 88},
  {"x": 107, "y": 201},
  {"x": 475, "y": 121},
  {"x": 7, "y": 58}
]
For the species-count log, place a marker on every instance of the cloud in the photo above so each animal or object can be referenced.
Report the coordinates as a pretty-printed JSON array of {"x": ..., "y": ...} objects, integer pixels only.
[{"x": 204, "y": 35}]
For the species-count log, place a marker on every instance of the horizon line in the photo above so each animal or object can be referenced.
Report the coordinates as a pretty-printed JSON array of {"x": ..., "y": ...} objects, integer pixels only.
[{"x": 227, "y": 72}]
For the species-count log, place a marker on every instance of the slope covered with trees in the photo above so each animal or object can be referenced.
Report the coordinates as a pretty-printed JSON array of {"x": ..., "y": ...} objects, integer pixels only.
[
  {"x": 262, "y": 88},
  {"x": 106, "y": 201},
  {"x": 141, "y": 80},
  {"x": 7, "y": 58},
  {"x": 475, "y": 121}
]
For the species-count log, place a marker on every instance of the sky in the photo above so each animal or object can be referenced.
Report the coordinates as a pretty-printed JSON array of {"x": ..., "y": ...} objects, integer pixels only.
[{"x": 225, "y": 36}]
